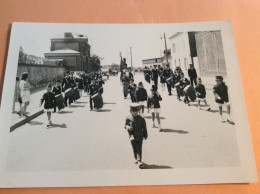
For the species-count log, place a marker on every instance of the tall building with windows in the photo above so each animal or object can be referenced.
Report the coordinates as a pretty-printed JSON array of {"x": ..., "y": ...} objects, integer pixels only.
[
  {"x": 183, "y": 50},
  {"x": 72, "y": 49}
]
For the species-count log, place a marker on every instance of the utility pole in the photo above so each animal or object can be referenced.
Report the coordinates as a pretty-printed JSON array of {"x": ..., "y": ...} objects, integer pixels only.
[
  {"x": 166, "y": 54},
  {"x": 131, "y": 58}
]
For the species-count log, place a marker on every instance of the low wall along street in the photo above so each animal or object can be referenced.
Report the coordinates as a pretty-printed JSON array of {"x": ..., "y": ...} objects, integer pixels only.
[{"x": 40, "y": 75}]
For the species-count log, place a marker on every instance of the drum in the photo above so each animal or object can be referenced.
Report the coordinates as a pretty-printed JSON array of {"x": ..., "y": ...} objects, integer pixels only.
[
  {"x": 179, "y": 89},
  {"x": 59, "y": 101},
  {"x": 69, "y": 92},
  {"x": 76, "y": 94},
  {"x": 190, "y": 92},
  {"x": 98, "y": 100},
  {"x": 170, "y": 81}
]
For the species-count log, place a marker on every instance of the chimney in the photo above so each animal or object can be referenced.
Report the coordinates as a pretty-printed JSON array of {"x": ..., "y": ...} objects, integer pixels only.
[{"x": 68, "y": 35}]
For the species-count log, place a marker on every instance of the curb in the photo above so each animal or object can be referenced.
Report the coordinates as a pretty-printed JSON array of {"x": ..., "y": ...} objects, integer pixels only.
[{"x": 21, "y": 122}]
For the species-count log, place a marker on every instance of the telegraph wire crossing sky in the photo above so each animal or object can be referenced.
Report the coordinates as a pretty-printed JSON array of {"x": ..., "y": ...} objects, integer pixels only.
[{"x": 106, "y": 41}]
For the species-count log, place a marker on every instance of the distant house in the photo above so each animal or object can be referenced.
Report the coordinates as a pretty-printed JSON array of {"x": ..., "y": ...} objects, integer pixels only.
[
  {"x": 152, "y": 62},
  {"x": 73, "y": 49}
]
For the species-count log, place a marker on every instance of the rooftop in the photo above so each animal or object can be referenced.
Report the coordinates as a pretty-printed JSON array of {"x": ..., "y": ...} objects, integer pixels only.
[{"x": 64, "y": 51}]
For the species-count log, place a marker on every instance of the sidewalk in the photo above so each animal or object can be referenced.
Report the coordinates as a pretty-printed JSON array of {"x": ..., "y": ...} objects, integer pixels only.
[{"x": 33, "y": 110}]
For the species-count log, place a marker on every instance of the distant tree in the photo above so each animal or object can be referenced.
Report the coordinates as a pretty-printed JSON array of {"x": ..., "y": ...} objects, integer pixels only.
[
  {"x": 22, "y": 56},
  {"x": 95, "y": 62}
]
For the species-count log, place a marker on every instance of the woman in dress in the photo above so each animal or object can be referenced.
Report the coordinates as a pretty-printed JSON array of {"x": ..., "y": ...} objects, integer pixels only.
[{"x": 25, "y": 94}]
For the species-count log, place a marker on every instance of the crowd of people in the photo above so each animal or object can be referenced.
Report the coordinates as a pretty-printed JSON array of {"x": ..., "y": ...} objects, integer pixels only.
[
  {"x": 188, "y": 89},
  {"x": 62, "y": 94}
]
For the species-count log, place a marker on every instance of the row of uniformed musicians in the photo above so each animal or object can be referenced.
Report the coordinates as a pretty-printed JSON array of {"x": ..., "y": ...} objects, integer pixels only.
[{"x": 185, "y": 87}]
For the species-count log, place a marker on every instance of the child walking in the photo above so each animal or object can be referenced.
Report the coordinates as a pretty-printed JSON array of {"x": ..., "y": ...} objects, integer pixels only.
[
  {"x": 49, "y": 102},
  {"x": 153, "y": 103},
  {"x": 201, "y": 93},
  {"x": 141, "y": 97}
]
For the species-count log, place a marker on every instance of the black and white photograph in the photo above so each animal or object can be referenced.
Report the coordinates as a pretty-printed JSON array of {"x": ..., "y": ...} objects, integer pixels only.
[{"x": 123, "y": 104}]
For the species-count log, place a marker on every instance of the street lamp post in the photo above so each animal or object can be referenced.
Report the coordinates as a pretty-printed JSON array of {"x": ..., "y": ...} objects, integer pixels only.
[
  {"x": 131, "y": 58},
  {"x": 166, "y": 54}
]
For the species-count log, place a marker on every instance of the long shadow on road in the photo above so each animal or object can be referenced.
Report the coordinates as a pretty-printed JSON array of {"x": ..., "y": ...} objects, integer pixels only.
[
  {"x": 174, "y": 131},
  {"x": 58, "y": 126},
  {"x": 76, "y": 106},
  {"x": 153, "y": 166},
  {"x": 65, "y": 112},
  {"x": 150, "y": 117},
  {"x": 103, "y": 110},
  {"x": 109, "y": 103}
]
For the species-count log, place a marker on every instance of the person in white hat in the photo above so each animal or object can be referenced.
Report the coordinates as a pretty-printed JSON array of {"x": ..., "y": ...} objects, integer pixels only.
[{"x": 136, "y": 127}]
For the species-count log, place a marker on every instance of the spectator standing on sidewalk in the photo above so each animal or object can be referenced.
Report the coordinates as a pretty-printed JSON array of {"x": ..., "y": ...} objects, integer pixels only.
[
  {"x": 17, "y": 96},
  {"x": 136, "y": 127},
  {"x": 192, "y": 74},
  {"x": 25, "y": 94}
]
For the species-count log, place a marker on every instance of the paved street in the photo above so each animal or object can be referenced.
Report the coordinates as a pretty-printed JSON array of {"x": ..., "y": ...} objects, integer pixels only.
[{"x": 85, "y": 140}]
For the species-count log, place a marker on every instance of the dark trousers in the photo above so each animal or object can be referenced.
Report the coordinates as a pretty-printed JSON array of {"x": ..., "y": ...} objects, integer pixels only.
[
  {"x": 133, "y": 99},
  {"x": 192, "y": 79},
  {"x": 137, "y": 149},
  {"x": 156, "y": 81},
  {"x": 169, "y": 87},
  {"x": 66, "y": 100},
  {"x": 186, "y": 99},
  {"x": 90, "y": 103}
]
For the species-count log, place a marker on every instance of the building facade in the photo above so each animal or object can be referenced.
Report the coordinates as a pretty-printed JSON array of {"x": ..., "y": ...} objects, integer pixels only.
[
  {"x": 152, "y": 62},
  {"x": 210, "y": 53},
  {"x": 183, "y": 50},
  {"x": 73, "y": 49}
]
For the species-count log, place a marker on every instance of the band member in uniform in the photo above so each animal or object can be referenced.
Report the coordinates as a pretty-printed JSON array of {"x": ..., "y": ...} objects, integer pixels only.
[
  {"x": 100, "y": 84},
  {"x": 136, "y": 127},
  {"x": 153, "y": 103},
  {"x": 56, "y": 90},
  {"x": 92, "y": 90},
  {"x": 155, "y": 75},
  {"x": 183, "y": 83},
  {"x": 148, "y": 75},
  {"x": 201, "y": 93},
  {"x": 66, "y": 84},
  {"x": 49, "y": 103},
  {"x": 220, "y": 90},
  {"x": 141, "y": 97},
  {"x": 132, "y": 89},
  {"x": 80, "y": 84},
  {"x": 162, "y": 80},
  {"x": 192, "y": 74},
  {"x": 125, "y": 82},
  {"x": 167, "y": 73}
]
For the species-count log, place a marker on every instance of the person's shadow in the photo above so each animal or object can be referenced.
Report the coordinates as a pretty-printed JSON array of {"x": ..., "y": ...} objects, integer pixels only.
[
  {"x": 174, "y": 131},
  {"x": 103, "y": 110},
  {"x": 76, "y": 106},
  {"x": 58, "y": 125},
  {"x": 64, "y": 112},
  {"x": 153, "y": 166},
  {"x": 150, "y": 117}
]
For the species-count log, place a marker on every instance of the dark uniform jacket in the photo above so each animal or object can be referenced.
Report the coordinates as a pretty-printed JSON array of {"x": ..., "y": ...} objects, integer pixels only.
[
  {"x": 153, "y": 101},
  {"x": 93, "y": 89},
  {"x": 57, "y": 90},
  {"x": 49, "y": 100},
  {"x": 138, "y": 130},
  {"x": 155, "y": 74},
  {"x": 141, "y": 95},
  {"x": 222, "y": 91},
  {"x": 192, "y": 73},
  {"x": 167, "y": 73},
  {"x": 80, "y": 83},
  {"x": 132, "y": 88},
  {"x": 125, "y": 79},
  {"x": 66, "y": 83},
  {"x": 201, "y": 89}
]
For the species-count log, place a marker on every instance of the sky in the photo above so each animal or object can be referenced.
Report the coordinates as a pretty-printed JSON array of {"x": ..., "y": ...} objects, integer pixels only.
[{"x": 106, "y": 40}]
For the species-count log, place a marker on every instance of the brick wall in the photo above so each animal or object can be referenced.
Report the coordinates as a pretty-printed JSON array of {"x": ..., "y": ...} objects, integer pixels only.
[{"x": 41, "y": 75}]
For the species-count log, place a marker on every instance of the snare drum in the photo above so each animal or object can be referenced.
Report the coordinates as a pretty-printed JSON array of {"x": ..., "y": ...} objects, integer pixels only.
[
  {"x": 69, "y": 92},
  {"x": 98, "y": 100},
  {"x": 59, "y": 101},
  {"x": 190, "y": 92},
  {"x": 76, "y": 94}
]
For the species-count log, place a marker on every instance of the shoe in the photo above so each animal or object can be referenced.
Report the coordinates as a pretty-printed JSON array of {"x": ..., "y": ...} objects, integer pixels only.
[
  {"x": 136, "y": 161},
  {"x": 153, "y": 125},
  {"x": 208, "y": 109},
  {"x": 160, "y": 130},
  {"x": 50, "y": 123}
]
